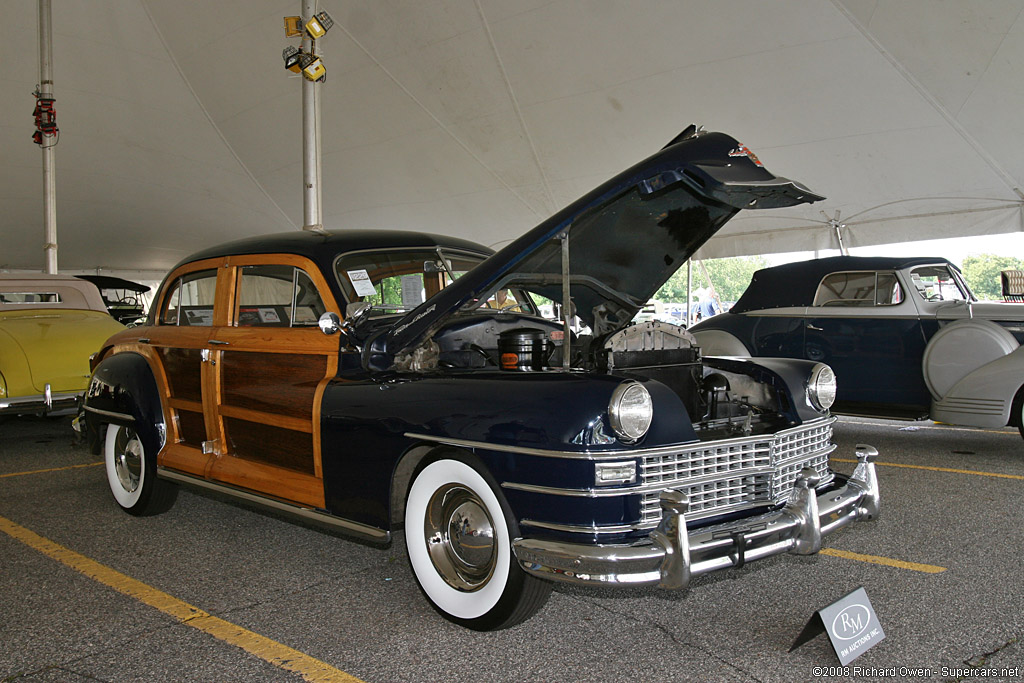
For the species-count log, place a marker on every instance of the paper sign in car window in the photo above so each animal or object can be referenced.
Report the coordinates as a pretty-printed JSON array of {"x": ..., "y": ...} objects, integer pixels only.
[
  {"x": 360, "y": 280},
  {"x": 412, "y": 291}
]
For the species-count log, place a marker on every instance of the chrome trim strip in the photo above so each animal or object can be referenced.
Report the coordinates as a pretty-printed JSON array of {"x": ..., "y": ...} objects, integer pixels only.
[
  {"x": 635, "y": 490},
  {"x": 303, "y": 513},
  {"x": 522, "y": 450},
  {"x": 578, "y": 529},
  {"x": 62, "y": 400},
  {"x": 618, "y": 455},
  {"x": 110, "y": 413}
]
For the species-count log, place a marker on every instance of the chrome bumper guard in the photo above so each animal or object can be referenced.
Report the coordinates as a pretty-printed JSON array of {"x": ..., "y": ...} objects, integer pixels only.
[
  {"x": 675, "y": 555},
  {"x": 47, "y": 403}
]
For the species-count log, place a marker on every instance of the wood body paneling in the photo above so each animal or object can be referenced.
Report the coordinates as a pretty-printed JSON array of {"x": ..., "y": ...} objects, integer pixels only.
[
  {"x": 279, "y": 383},
  {"x": 255, "y": 400}
]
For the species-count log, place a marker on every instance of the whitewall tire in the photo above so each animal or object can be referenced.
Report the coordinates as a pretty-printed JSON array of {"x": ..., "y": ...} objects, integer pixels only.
[
  {"x": 131, "y": 473},
  {"x": 458, "y": 533}
]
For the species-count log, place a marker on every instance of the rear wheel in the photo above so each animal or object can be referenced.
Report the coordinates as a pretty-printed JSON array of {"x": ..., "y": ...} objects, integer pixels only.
[
  {"x": 458, "y": 532},
  {"x": 131, "y": 474}
]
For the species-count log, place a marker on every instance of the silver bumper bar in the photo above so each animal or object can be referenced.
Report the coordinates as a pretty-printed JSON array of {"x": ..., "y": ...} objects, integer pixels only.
[
  {"x": 676, "y": 555},
  {"x": 46, "y": 403}
]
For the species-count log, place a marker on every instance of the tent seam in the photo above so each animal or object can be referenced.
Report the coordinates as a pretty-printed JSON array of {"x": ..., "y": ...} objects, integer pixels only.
[
  {"x": 209, "y": 118},
  {"x": 989, "y": 160}
]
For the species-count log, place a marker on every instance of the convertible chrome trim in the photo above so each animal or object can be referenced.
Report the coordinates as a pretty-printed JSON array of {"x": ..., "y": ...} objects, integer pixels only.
[
  {"x": 44, "y": 403},
  {"x": 303, "y": 513},
  {"x": 675, "y": 554}
]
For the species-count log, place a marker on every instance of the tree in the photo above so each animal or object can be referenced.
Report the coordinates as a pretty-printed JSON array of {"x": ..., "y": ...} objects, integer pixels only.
[
  {"x": 729, "y": 276},
  {"x": 982, "y": 273}
]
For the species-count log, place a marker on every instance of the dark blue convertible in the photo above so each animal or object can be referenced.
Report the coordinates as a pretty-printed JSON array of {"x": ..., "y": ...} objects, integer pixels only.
[{"x": 905, "y": 336}]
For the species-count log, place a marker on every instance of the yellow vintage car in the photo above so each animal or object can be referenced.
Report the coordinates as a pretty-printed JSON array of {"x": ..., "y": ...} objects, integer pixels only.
[{"x": 49, "y": 326}]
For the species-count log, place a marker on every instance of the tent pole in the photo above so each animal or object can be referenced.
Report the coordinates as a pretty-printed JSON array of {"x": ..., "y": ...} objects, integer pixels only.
[
  {"x": 312, "y": 198},
  {"x": 49, "y": 180}
]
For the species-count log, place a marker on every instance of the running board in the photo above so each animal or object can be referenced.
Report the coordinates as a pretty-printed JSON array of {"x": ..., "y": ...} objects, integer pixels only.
[{"x": 309, "y": 515}]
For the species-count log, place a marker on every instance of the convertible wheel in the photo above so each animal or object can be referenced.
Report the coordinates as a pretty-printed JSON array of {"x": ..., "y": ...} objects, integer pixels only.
[
  {"x": 458, "y": 532},
  {"x": 1019, "y": 403},
  {"x": 131, "y": 474}
]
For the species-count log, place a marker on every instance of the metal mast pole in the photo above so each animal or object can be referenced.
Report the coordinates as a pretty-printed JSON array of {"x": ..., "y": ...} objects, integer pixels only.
[
  {"x": 46, "y": 91},
  {"x": 312, "y": 197}
]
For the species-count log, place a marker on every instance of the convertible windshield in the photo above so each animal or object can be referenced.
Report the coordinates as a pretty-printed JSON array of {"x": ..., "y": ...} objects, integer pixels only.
[
  {"x": 937, "y": 283},
  {"x": 399, "y": 280}
]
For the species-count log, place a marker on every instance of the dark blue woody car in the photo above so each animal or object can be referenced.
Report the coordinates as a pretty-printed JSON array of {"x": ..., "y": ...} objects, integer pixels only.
[{"x": 371, "y": 381}]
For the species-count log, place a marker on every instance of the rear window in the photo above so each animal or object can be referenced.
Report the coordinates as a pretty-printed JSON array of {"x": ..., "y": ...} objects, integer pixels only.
[
  {"x": 859, "y": 288},
  {"x": 30, "y": 297}
]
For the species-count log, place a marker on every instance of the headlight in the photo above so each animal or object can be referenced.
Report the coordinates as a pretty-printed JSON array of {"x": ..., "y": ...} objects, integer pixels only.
[
  {"x": 821, "y": 387},
  {"x": 630, "y": 411}
]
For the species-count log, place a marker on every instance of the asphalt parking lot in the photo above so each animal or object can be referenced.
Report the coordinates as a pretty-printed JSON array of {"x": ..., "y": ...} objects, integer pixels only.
[{"x": 90, "y": 593}]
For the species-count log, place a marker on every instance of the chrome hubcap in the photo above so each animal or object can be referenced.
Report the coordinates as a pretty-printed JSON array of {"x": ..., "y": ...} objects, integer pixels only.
[
  {"x": 128, "y": 459},
  {"x": 460, "y": 538}
]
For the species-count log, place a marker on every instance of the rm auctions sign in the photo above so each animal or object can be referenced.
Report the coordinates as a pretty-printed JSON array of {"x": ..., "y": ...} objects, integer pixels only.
[{"x": 851, "y": 624}]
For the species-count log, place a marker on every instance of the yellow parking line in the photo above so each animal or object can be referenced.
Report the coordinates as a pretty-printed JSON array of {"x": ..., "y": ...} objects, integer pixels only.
[
  {"x": 888, "y": 562},
  {"x": 940, "y": 469},
  {"x": 266, "y": 649},
  {"x": 52, "y": 469}
]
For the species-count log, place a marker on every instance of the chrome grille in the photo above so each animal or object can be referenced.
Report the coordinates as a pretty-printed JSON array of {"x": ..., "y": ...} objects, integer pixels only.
[{"x": 738, "y": 473}]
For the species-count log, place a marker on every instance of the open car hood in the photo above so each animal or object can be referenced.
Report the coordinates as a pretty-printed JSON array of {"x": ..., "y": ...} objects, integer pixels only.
[{"x": 626, "y": 237}]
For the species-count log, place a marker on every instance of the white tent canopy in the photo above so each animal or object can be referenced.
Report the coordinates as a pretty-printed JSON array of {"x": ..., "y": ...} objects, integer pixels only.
[{"x": 180, "y": 128}]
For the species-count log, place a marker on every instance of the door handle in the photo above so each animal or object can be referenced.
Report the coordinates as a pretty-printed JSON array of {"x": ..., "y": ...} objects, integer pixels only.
[
  {"x": 144, "y": 340},
  {"x": 218, "y": 343},
  {"x": 816, "y": 329}
]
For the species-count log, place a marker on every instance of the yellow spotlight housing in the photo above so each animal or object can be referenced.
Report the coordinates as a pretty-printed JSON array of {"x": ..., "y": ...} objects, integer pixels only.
[
  {"x": 292, "y": 26},
  {"x": 315, "y": 70},
  {"x": 320, "y": 24}
]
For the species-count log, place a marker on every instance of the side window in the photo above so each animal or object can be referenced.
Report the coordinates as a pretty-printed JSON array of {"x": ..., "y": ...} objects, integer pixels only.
[
  {"x": 190, "y": 300},
  {"x": 277, "y": 296},
  {"x": 866, "y": 288}
]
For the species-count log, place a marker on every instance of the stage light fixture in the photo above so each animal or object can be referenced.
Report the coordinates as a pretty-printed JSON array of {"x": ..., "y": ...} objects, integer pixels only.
[
  {"x": 292, "y": 56},
  {"x": 292, "y": 26},
  {"x": 320, "y": 24},
  {"x": 314, "y": 69}
]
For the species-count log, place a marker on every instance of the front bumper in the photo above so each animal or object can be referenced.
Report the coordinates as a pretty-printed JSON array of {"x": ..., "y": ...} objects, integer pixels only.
[
  {"x": 47, "y": 403},
  {"x": 675, "y": 554}
]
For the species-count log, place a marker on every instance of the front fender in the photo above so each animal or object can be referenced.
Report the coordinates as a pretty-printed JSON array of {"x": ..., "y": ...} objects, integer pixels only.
[
  {"x": 789, "y": 376},
  {"x": 367, "y": 427},
  {"x": 123, "y": 391}
]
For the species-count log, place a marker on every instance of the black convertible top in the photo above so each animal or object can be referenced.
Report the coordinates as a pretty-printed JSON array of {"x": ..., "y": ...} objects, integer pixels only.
[{"x": 794, "y": 284}]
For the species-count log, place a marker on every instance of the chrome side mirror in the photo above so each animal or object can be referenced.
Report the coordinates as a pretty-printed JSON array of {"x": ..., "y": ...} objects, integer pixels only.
[{"x": 330, "y": 323}]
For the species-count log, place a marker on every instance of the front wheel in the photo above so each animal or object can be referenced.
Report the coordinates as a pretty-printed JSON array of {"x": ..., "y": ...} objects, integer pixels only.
[
  {"x": 458, "y": 532},
  {"x": 131, "y": 474}
]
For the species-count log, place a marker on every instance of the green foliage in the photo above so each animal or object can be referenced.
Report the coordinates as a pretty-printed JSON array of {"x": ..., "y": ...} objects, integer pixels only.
[
  {"x": 982, "y": 273},
  {"x": 730, "y": 277}
]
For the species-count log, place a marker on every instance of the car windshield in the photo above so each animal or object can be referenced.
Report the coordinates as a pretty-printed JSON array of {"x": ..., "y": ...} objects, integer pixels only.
[
  {"x": 398, "y": 280},
  {"x": 937, "y": 283}
]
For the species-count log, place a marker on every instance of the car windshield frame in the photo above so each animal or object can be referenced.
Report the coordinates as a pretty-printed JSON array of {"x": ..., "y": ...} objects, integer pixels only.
[
  {"x": 342, "y": 274},
  {"x": 966, "y": 295}
]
